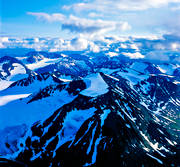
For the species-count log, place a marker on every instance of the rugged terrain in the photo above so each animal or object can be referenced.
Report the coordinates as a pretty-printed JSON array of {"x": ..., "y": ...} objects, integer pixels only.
[{"x": 78, "y": 109}]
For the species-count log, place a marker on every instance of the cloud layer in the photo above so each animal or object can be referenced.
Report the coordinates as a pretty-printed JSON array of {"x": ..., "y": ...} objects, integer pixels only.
[
  {"x": 82, "y": 25},
  {"x": 116, "y": 5},
  {"x": 165, "y": 49}
]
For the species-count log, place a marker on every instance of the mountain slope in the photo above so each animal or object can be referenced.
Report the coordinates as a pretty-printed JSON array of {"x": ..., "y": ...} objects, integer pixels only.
[
  {"x": 111, "y": 128},
  {"x": 89, "y": 109},
  {"x": 38, "y": 106}
]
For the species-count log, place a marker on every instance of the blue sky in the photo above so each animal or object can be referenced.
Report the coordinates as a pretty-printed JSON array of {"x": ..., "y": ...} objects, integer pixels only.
[
  {"x": 16, "y": 21},
  {"x": 67, "y": 18}
]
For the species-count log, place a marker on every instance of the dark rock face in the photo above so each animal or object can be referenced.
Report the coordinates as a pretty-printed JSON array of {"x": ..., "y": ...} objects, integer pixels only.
[
  {"x": 112, "y": 129},
  {"x": 9, "y": 163},
  {"x": 35, "y": 77},
  {"x": 73, "y": 88}
]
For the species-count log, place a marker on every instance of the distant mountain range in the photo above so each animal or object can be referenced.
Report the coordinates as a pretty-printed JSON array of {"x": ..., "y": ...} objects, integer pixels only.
[{"x": 85, "y": 108}]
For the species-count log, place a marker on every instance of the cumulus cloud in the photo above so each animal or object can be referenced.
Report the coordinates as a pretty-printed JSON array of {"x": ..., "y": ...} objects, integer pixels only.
[
  {"x": 135, "y": 55},
  {"x": 4, "y": 39},
  {"x": 93, "y": 47},
  {"x": 160, "y": 18},
  {"x": 115, "y": 5},
  {"x": 75, "y": 24},
  {"x": 79, "y": 44},
  {"x": 50, "y": 44},
  {"x": 48, "y": 17},
  {"x": 165, "y": 49},
  {"x": 82, "y": 25}
]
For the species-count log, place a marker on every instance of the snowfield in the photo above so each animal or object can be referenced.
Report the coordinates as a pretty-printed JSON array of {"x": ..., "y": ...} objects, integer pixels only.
[
  {"x": 95, "y": 86},
  {"x": 5, "y": 84},
  {"x": 42, "y": 63},
  {"x": 9, "y": 98}
]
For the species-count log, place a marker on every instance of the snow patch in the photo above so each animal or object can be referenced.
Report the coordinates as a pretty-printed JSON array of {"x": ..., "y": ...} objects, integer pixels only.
[
  {"x": 6, "y": 99},
  {"x": 75, "y": 119},
  {"x": 104, "y": 116},
  {"x": 5, "y": 84},
  {"x": 42, "y": 63},
  {"x": 95, "y": 86},
  {"x": 158, "y": 160}
]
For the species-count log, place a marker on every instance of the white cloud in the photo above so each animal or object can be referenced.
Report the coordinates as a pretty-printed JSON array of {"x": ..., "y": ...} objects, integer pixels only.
[
  {"x": 1, "y": 45},
  {"x": 93, "y": 14},
  {"x": 111, "y": 6},
  {"x": 175, "y": 46},
  {"x": 50, "y": 44},
  {"x": 48, "y": 17},
  {"x": 83, "y": 25},
  {"x": 112, "y": 54},
  {"x": 134, "y": 46},
  {"x": 124, "y": 46},
  {"x": 4, "y": 39},
  {"x": 78, "y": 44},
  {"x": 164, "y": 49},
  {"x": 136, "y": 55},
  {"x": 161, "y": 16},
  {"x": 93, "y": 47}
]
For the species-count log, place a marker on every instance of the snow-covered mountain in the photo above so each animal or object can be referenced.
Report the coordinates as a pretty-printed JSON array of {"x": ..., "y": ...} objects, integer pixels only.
[{"x": 85, "y": 108}]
